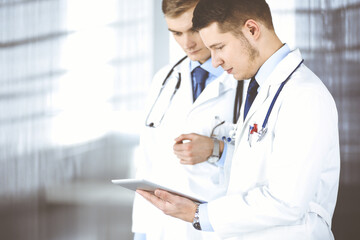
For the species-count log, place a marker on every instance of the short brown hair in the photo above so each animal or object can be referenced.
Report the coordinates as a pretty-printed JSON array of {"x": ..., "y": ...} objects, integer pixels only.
[
  {"x": 174, "y": 8},
  {"x": 231, "y": 14}
]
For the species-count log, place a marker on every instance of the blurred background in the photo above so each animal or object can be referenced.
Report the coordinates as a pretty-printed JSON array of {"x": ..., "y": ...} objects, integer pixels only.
[{"x": 73, "y": 80}]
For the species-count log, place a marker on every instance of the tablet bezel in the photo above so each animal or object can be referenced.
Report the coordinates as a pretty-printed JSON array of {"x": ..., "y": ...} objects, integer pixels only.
[{"x": 134, "y": 184}]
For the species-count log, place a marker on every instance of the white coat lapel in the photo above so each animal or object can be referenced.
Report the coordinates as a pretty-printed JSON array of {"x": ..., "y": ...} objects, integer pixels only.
[
  {"x": 259, "y": 100},
  {"x": 243, "y": 125},
  {"x": 217, "y": 87}
]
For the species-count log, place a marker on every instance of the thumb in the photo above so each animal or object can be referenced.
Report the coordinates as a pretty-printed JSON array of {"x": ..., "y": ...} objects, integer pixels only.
[{"x": 184, "y": 137}]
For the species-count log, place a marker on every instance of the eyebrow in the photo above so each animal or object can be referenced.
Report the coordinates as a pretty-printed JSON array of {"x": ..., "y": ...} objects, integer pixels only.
[{"x": 172, "y": 30}]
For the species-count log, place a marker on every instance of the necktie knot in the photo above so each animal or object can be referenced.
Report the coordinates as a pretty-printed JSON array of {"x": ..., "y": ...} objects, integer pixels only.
[
  {"x": 199, "y": 76},
  {"x": 251, "y": 94}
]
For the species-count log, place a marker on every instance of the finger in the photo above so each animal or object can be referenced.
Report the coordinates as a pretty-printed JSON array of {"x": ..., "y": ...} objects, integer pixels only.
[
  {"x": 180, "y": 141},
  {"x": 180, "y": 138},
  {"x": 188, "y": 161},
  {"x": 168, "y": 197},
  {"x": 159, "y": 203},
  {"x": 185, "y": 162},
  {"x": 184, "y": 137},
  {"x": 147, "y": 195},
  {"x": 184, "y": 155},
  {"x": 180, "y": 147},
  {"x": 180, "y": 155}
]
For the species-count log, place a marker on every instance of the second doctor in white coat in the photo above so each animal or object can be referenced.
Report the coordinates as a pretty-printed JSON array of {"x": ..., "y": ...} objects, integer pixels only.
[
  {"x": 181, "y": 114},
  {"x": 283, "y": 182}
]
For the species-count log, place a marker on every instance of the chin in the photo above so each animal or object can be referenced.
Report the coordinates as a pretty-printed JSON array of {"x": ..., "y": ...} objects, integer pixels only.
[
  {"x": 239, "y": 77},
  {"x": 192, "y": 57},
  {"x": 200, "y": 57},
  {"x": 236, "y": 76}
]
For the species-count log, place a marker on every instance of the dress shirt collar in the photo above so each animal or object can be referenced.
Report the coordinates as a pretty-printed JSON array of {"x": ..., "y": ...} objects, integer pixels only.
[
  {"x": 270, "y": 64},
  {"x": 208, "y": 67}
]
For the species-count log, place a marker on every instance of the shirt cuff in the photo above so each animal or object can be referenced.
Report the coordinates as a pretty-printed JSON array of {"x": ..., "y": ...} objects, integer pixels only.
[
  {"x": 139, "y": 236},
  {"x": 221, "y": 161},
  {"x": 204, "y": 218}
]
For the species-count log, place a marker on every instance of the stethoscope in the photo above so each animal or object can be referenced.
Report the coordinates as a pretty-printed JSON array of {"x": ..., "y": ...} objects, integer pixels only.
[
  {"x": 237, "y": 103},
  {"x": 253, "y": 129},
  {"x": 177, "y": 86}
]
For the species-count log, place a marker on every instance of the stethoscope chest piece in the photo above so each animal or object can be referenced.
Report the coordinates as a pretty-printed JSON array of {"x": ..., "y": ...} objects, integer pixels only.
[{"x": 262, "y": 133}]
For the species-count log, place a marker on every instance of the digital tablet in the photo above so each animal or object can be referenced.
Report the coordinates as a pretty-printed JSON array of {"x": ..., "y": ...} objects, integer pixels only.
[{"x": 146, "y": 185}]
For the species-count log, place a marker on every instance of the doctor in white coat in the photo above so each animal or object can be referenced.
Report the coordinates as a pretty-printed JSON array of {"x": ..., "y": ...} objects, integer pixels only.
[
  {"x": 172, "y": 110},
  {"x": 285, "y": 168}
]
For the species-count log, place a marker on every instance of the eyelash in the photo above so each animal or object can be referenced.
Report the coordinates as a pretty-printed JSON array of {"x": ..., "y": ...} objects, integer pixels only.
[{"x": 219, "y": 48}]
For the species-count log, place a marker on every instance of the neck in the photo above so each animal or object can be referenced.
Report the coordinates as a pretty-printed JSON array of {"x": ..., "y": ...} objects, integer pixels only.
[
  {"x": 203, "y": 60},
  {"x": 268, "y": 46}
]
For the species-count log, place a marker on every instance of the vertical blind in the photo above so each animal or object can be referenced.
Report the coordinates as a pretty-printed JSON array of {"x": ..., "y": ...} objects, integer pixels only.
[
  {"x": 328, "y": 34},
  {"x": 69, "y": 73}
]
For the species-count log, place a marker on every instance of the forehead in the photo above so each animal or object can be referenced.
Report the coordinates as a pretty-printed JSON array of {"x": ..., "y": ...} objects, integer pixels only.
[
  {"x": 211, "y": 35},
  {"x": 182, "y": 22}
]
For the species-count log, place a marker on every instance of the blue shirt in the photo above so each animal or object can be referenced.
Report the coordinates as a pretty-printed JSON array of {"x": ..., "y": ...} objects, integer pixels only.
[
  {"x": 263, "y": 73},
  {"x": 139, "y": 236}
]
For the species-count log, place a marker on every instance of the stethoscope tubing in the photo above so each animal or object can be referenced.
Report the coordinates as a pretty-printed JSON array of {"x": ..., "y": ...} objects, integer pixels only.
[
  {"x": 276, "y": 96},
  {"x": 152, "y": 124}
]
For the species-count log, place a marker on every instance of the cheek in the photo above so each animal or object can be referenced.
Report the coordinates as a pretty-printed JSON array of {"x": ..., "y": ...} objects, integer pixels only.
[
  {"x": 228, "y": 57},
  {"x": 206, "y": 54},
  {"x": 179, "y": 40},
  {"x": 200, "y": 43},
  {"x": 196, "y": 37}
]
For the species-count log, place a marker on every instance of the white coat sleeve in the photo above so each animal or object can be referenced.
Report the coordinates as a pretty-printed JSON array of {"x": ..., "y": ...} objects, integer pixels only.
[
  {"x": 305, "y": 136},
  {"x": 142, "y": 210}
]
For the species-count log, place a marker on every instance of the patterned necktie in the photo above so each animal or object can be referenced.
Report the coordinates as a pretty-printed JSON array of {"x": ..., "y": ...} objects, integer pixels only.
[
  {"x": 251, "y": 94},
  {"x": 199, "y": 75}
]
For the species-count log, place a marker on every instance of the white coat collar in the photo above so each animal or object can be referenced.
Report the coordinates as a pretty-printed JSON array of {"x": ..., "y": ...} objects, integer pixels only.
[
  {"x": 280, "y": 74},
  {"x": 270, "y": 64},
  {"x": 285, "y": 68}
]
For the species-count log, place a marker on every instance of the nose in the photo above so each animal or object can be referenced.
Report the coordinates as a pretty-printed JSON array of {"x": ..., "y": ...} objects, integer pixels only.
[
  {"x": 216, "y": 60},
  {"x": 189, "y": 42}
]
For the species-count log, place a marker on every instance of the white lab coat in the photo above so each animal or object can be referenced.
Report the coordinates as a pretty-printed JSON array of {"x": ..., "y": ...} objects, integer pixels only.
[
  {"x": 159, "y": 163},
  {"x": 284, "y": 186}
]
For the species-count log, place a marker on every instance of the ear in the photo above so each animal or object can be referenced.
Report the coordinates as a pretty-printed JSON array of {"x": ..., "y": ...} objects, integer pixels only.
[{"x": 252, "y": 29}]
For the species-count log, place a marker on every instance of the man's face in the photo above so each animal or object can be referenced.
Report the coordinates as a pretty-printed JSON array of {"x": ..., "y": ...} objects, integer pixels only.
[
  {"x": 233, "y": 53},
  {"x": 190, "y": 41}
]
